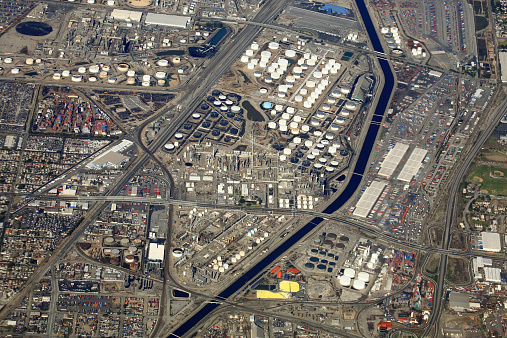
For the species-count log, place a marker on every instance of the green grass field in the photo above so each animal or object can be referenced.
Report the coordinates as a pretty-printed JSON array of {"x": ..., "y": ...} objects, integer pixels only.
[{"x": 492, "y": 178}]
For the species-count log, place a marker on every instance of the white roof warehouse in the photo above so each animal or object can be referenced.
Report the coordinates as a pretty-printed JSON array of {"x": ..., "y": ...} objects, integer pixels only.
[{"x": 166, "y": 20}]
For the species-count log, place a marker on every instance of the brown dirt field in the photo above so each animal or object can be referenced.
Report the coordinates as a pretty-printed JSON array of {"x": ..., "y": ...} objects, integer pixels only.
[
  {"x": 498, "y": 173},
  {"x": 484, "y": 191},
  {"x": 477, "y": 179},
  {"x": 495, "y": 158},
  {"x": 458, "y": 241},
  {"x": 457, "y": 270},
  {"x": 436, "y": 236}
]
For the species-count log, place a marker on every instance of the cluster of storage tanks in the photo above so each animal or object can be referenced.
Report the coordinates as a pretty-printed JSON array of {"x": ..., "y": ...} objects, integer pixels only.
[
  {"x": 316, "y": 145},
  {"x": 96, "y": 72},
  {"x": 130, "y": 254},
  {"x": 392, "y": 36},
  {"x": 15, "y": 70},
  {"x": 321, "y": 257},
  {"x": 356, "y": 280},
  {"x": 417, "y": 50},
  {"x": 317, "y": 83},
  {"x": 273, "y": 69}
]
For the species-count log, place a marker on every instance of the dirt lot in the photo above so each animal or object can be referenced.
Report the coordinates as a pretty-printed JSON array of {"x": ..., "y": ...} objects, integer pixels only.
[
  {"x": 458, "y": 241},
  {"x": 436, "y": 236},
  {"x": 457, "y": 271}
]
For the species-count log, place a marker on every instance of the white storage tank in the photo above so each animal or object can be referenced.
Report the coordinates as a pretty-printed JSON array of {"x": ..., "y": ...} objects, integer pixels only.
[
  {"x": 162, "y": 63},
  {"x": 351, "y": 273},
  {"x": 337, "y": 93},
  {"x": 290, "y": 53},
  {"x": 345, "y": 281},
  {"x": 266, "y": 54},
  {"x": 351, "y": 105},
  {"x": 359, "y": 284},
  {"x": 273, "y": 45},
  {"x": 364, "y": 276}
]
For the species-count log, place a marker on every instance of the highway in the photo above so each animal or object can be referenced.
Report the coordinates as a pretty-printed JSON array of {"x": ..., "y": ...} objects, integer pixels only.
[{"x": 440, "y": 290}]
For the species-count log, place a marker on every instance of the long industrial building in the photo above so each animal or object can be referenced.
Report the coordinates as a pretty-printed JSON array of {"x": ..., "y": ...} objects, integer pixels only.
[
  {"x": 166, "y": 20},
  {"x": 413, "y": 164},
  {"x": 392, "y": 159},
  {"x": 368, "y": 199},
  {"x": 124, "y": 15}
]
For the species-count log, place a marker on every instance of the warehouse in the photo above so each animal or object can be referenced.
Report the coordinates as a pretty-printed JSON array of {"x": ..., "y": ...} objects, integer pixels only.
[
  {"x": 368, "y": 199},
  {"x": 502, "y": 56},
  {"x": 156, "y": 252},
  {"x": 121, "y": 14},
  {"x": 165, "y": 20},
  {"x": 491, "y": 242},
  {"x": 413, "y": 164},
  {"x": 392, "y": 159}
]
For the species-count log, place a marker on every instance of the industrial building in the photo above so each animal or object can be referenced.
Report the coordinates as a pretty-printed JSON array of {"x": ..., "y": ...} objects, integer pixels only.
[
  {"x": 111, "y": 158},
  {"x": 459, "y": 301},
  {"x": 491, "y": 241},
  {"x": 125, "y": 15},
  {"x": 369, "y": 198},
  {"x": 502, "y": 56},
  {"x": 156, "y": 252},
  {"x": 166, "y": 20},
  {"x": 392, "y": 159},
  {"x": 413, "y": 164},
  {"x": 108, "y": 159}
]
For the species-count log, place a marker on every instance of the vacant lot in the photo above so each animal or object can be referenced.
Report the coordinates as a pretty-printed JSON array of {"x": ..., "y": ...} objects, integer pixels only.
[
  {"x": 458, "y": 241},
  {"x": 433, "y": 262},
  {"x": 436, "y": 236},
  {"x": 457, "y": 271}
]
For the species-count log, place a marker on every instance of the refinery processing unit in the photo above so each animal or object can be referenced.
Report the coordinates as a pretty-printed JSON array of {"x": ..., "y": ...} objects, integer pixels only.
[{"x": 232, "y": 168}]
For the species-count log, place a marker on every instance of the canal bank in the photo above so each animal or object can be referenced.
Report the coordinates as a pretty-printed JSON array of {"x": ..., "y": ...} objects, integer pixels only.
[{"x": 350, "y": 189}]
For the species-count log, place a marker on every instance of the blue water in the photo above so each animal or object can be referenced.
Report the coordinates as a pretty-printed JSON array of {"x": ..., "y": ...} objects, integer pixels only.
[
  {"x": 347, "y": 193},
  {"x": 218, "y": 36},
  {"x": 335, "y": 9}
]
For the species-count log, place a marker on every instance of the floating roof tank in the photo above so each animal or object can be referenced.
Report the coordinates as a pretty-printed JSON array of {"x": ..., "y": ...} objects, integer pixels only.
[
  {"x": 351, "y": 273},
  {"x": 345, "y": 281},
  {"x": 364, "y": 276},
  {"x": 359, "y": 284}
]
